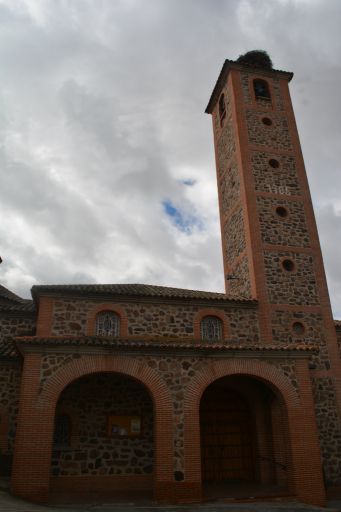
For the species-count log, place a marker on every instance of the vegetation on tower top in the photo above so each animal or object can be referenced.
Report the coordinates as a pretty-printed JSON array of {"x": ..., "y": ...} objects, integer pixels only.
[{"x": 255, "y": 59}]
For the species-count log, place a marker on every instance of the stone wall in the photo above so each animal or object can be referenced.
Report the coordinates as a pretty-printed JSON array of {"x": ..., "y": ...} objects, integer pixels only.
[
  {"x": 71, "y": 316},
  {"x": 240, "y": 286},
  {"x": 297, "y": 287},
  {"x": 10, "y": 374},
  {"x": 226, "y": 145},
  {"x": 314, "y": 333},
  {"x": 234, "y": 235},
  {"x": 13, "y": 325},
  {"x": 329, "y": 428},
  {"x": 89, "y": 401},
  {"x": 275, "y": 136},
  {"x": 290, "y": 230},
  {"x": 282, "y": 180},
  {"x": 230, "y": 188},
  {"x": 276, "y": 96}
]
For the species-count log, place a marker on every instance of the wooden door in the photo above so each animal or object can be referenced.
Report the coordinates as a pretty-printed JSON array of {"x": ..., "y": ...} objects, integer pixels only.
[{"x": 226, "y": 436}]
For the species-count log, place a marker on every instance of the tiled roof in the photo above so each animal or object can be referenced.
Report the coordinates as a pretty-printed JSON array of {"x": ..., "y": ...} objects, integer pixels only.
[
  {"x": 137, "y": 290},
  {"x": 104, "y": 342},
  {"x": 229, "y": 64},
  {"x": 25, "y": 307},
  {"x": 8, "y": 295}
]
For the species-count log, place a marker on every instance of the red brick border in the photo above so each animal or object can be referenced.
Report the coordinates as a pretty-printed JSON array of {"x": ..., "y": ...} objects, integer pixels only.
[
  {"x": 105, "y": 306},
  {"x": 210, "y": 312},
  {"x": 305, "y": 480},
  {"x": 33, "y": 445}
]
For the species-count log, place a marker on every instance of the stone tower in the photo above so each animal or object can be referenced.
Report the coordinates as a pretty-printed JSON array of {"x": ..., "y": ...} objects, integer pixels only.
[{"x": 271, "y": 249}]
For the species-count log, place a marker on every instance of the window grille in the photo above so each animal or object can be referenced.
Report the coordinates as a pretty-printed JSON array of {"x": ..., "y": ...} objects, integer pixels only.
[
  {"x": 62, "y": 430},
  {"x": 211, "y": 328},
  {"x": 107, "y": 324}
]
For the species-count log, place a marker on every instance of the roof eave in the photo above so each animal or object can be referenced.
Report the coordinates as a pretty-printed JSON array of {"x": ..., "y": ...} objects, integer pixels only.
[{"x": 230, "y": 64}]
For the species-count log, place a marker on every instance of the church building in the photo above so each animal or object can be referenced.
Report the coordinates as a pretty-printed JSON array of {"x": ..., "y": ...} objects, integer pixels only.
[{"x": 183, "y": 396}]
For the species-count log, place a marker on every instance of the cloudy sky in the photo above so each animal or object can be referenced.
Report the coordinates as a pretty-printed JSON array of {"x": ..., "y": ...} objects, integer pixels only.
[{"x": 106, "y": 155}]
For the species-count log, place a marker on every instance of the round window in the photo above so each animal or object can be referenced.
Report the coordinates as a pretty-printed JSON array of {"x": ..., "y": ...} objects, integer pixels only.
[
  {"x": 274, "y": 163},
  {"x": 267, "y": 121},
  {"x": 298, "y": 328},
  {"x": 281, "y": 212},
  {"x": 288, "y": 265}
]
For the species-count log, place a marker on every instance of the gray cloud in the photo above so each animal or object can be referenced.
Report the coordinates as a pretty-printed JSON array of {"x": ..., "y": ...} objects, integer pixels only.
[{"x": 102, "y": 120}]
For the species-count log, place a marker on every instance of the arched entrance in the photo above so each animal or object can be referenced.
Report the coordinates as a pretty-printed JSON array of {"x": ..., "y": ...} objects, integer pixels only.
[
  {"x": 31, "y": 476},
  {"x": 103, "y": 440},
  {"x": 243, "y": 439}
]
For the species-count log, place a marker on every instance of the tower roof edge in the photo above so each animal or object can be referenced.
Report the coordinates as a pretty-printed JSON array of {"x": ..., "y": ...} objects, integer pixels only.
[{"x": 231, "y": 64}]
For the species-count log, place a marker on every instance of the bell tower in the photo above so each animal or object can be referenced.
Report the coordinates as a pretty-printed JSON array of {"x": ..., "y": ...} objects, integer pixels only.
[{"x": 271, "y": 250}]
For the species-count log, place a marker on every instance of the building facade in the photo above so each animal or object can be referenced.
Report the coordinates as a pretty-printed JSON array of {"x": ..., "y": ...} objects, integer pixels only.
[{"x": 182, "y": 395}]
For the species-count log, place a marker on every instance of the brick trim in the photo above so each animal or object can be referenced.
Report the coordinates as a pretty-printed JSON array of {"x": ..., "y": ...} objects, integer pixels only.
[
  {"x": 210, "y": 312},
  {"x": 105, "y": 306},
  {"x": 45, "y": 316},
  {"x": 302, "y": 436},
  {"x": 4, "y": 425},
  {"x": 31, "y": 472}
]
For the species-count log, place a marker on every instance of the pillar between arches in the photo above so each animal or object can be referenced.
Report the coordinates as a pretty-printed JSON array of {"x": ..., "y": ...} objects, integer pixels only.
[{"x": 33, "y": 443}]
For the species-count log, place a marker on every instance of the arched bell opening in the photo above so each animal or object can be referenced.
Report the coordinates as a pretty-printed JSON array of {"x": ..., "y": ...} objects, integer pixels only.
[
  {"x": 103, "y": 441},
  {"x": 243, "y": 431}
]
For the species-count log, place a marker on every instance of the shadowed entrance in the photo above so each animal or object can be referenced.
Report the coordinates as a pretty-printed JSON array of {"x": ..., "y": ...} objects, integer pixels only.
[
  {"x": 103, "y": 440},
  {"x": 243, "y": 450}
]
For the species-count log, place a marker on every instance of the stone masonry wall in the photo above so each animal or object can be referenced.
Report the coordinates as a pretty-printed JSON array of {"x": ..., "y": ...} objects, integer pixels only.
[
  {"x": 329, "y": 428},
  {"x": 282, "y": 180},
  {"x": 90, "y": 400},
  {"x": 276, "y": 100},
  {"x": 70, "y": 318},
  {"x": 290, "y": 230},
  {"x": 234, "y": 235},
  {"x": 11, "y": 325},
  {"x": 240, "y": 286},
  {"x": 230, "y": 188},
  {"x": 275, "y": 136},
  {"x": 296, "y": 287},
  {"x": 314, "y": 333},
  {"x": 10, "y": 374}
]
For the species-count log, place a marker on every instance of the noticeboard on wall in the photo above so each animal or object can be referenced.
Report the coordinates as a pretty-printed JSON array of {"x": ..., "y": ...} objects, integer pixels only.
[{"x": 124, "y": 426}]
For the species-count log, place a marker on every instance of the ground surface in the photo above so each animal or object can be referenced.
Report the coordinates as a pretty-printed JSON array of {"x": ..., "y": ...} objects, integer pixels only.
[{"x": 9, "y": 503}]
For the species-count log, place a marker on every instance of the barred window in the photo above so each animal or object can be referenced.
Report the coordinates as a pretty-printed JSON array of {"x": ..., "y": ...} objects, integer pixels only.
[
  {"x": 107, "y": 324},
  {"x": 62, "y": 430},
  {"x": 261, "y": 88},
  {"x": 211, "y": 328}
]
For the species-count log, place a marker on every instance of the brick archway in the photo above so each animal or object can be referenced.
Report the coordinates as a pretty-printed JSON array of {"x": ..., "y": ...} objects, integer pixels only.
[
  {"x": 305, "y": 482},
  {"x": 33, "y": 446}
]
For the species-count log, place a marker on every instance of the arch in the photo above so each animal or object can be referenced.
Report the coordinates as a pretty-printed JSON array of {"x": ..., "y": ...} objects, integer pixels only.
[
  {"x": 106, "y": 306},
  {"x": 41, "y": 434},
  {"x": 261, "y": 89},
  {"x": 217, "y": 369},
  {"x": 258, "y": 369},
  {"x": 210, "y": 312}
]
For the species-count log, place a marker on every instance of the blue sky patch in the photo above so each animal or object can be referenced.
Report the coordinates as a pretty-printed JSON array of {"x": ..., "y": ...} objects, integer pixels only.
[
  {"x": 189, "y": 182},
  {"x": 183, "y": 221}
]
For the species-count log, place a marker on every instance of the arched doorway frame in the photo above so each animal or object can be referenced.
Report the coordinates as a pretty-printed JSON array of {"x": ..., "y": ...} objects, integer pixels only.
[
  {"x": 33, "y": 446},
  {"x": 304, "y": 480}
]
